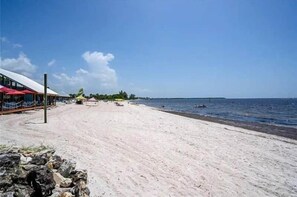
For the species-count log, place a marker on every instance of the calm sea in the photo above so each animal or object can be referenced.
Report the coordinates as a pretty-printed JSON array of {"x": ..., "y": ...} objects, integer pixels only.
[{"x": 281, "y": 112}]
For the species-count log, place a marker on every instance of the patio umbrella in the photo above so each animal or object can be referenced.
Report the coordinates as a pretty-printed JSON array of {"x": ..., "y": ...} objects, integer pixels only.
[
  {"x": 80, "y": 98},
  {"x": 15, "y": 92},
  {"x": 5, "y": 89},
  {"x": 92, "y": 99},
  {"x": 27, "y": 92}
]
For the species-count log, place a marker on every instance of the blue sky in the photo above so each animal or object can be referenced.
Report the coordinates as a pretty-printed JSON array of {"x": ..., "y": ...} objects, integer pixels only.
[{"x": 234, "y": 49}]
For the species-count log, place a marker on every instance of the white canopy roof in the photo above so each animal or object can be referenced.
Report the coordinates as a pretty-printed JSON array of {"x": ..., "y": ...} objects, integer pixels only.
[
  {"x": 92, "y": 99},
  {"x": 25, "y": 81},
  {"x": 63, "y": 94}
]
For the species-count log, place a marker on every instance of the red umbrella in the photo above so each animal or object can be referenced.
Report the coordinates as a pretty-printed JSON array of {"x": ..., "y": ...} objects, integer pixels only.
[
  {"x": 27, "y": 92},
  {"x": 15, "y": 92},
  {"x": 5, "y": 89}
]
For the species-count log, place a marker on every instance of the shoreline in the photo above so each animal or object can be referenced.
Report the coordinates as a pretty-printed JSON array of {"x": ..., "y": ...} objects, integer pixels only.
[
  {"x": 286, "y": 132},
  {"x": 137, "y": 150}
]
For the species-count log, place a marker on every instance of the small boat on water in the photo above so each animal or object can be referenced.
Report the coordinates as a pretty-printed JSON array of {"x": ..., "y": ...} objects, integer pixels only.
[{"x": 200, "y": 106}]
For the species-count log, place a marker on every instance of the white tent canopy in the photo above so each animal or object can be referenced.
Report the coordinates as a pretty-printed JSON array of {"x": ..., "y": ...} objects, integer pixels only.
[
  {"x": 26, "y": 82},
  {"x": 92, "y": 99}
]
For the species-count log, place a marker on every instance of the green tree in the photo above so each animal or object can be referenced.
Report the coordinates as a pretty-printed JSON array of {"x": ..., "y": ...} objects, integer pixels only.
[
  {"x": 72, "y": 95},
  {"x": 122, "y": 95},
  {"x": 132, "y": 96}
]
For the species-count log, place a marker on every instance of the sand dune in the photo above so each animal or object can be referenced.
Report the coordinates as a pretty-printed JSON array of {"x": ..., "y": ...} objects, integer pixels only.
[{"x": 139, "y": 151}]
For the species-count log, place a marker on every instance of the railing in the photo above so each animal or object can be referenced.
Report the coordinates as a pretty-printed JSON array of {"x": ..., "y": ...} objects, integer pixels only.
[{"x": 12, "y": 107}]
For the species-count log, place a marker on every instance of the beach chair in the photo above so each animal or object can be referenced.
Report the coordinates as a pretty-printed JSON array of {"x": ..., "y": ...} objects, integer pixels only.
[{"x": 118, "y": 104}]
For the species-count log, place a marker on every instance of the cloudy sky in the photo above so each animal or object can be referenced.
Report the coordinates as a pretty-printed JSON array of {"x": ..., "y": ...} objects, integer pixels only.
[{"x": 155, "y": 48}]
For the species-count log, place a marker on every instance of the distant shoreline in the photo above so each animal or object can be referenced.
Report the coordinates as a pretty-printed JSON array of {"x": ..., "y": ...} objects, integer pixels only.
[
  {"x": 213, "y": 98},
  {"x": 287, "y": 132}
]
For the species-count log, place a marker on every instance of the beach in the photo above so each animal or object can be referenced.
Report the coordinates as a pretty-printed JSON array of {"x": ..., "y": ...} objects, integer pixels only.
[{"x": 135, "y": 150}]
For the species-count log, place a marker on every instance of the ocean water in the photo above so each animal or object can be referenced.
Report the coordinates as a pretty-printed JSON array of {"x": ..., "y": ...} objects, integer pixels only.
[{"x": 282, "y": 112}]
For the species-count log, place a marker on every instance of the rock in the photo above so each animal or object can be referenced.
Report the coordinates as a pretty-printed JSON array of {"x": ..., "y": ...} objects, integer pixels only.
[
  {"x": 9, "y": 160},
  {"x": 25, "y": 154},
  {"x": 39, "y": 160},
  {"x": 55, "y": 194},
  {"x": 61, "y": 181},
  {"x": 19, "y": 176},
  {"x": 67, "y": 182},
  {"x": 66, "y": 168},
  {"x": 79, "y": 174},
  {"x": 61, "y": 190},
  {"x": 20, "y": 190},
  {"x": 25, "y": 160},
  {"x": 58, "y": 178},
  {"x": 9, "y": 150},
  {"x": 42, "y": 157},
  {"x": 7, "y": 194},
  {"x": 5, "y": 182},
  {"x": 66, "y": 194},
  {"x": 31, "y": 174},
  {"x": 47, "y": 152},
  {"x": 29, "y": 167},
  {"x": 49, "y": 165},
  {"x": 57, "y": 161},
  {"x": 2, "y": 171},
  {"x": 81, "y": 189},
  {"x": 41, "y": 180}
]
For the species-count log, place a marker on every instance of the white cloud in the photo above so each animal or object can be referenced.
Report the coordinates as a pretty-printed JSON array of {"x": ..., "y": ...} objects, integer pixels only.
[
  {"x": 81, "y": 71},
  {"x": 16, "y": 45},
  {"x": 3, "y": 39},
  {"x": 13, "y": 45},
  {"x": 95, "y": 76},
  {"x": 52, "y": 62},
  {"x": 98, "y": 64},
  {"x": 68, "y": 80},
  {"x": 21, "y": 65}
]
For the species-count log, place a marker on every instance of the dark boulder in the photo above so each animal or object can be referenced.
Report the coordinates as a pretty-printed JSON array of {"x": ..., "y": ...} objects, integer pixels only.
[{"x": 9, "y": 160}]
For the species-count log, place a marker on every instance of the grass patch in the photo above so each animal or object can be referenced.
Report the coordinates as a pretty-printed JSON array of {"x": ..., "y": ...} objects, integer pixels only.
[
  {"x": 24, "y": 149},
  {"x": 3, "y": 147},
  {"x": 33, "y": 149}
]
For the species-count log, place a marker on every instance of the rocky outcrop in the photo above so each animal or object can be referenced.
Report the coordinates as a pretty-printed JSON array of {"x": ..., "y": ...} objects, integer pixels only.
[{"x": 38, "y": 172}]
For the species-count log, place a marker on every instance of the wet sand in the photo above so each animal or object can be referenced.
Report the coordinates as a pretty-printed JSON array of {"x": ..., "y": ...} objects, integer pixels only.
[{"x": 287, "y": 132}]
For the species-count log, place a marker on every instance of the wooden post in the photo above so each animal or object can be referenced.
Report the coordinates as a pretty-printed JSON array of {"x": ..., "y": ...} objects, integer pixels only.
[
  {"x": 45, "y": 98},
  {"x": 2, "y": 94}
]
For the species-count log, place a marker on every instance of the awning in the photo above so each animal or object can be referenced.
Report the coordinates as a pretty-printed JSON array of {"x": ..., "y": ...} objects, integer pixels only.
[
  {"x": 28, "y": 92},
  {"x": 15, "y": 92},
  {"x": 5, "y": 89},
  {"x": 92, "y": 99}
]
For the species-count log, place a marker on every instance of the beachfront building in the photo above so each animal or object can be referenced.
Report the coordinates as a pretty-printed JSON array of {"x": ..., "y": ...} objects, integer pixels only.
[
  {"x": 64, "y": 97},
  {"x": 19, "y": 93}
]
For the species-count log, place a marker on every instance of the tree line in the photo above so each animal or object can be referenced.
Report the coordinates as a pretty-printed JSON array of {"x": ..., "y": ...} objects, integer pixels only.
[{"x": 121, "y": 95}]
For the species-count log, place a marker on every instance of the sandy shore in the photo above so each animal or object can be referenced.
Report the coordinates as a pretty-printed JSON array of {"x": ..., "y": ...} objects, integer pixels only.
[
  {"x": 282, "y": 131},
  {"x": 138, "y": 151}
]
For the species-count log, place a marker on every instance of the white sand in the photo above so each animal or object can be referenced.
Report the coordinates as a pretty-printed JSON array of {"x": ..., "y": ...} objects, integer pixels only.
[{"x": 139, "y": 151}]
